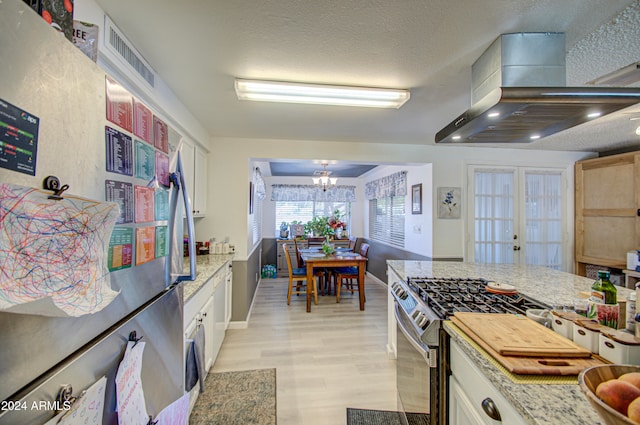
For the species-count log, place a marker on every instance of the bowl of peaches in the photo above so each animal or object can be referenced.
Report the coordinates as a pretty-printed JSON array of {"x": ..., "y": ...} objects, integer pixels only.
[{"x": 614, "y": 391}]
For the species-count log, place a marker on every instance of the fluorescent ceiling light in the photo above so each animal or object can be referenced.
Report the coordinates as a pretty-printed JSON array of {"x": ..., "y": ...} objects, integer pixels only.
[{"x": 274, "y": 91}]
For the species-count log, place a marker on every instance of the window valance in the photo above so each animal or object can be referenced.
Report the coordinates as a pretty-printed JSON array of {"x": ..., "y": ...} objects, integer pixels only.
[
  {"x": 391, "y": 185},
  {"x": 301, "y": 192}
]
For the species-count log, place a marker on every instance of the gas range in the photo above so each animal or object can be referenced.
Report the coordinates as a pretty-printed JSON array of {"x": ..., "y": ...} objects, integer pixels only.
[{"x": 426, "y": 301}]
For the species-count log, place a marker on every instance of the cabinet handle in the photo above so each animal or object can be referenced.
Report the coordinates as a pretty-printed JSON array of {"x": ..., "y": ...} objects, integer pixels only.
[{"x": 491, "y": 409}]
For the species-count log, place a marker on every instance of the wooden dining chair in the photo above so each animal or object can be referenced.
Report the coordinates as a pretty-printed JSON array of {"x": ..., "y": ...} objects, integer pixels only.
[
  {"x": 352, "y": 243},
  {"x": 345, "y": 275},
  {"x": 298, "y": 274},
  {"x": 315, "y": 241}
]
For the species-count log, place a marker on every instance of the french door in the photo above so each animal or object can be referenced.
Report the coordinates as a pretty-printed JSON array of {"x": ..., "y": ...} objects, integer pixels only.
[{"x": 517, "y": 215}]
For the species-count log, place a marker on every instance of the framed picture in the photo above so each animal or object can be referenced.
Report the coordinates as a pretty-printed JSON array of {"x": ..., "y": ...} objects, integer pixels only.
[
  {"x": 449, "y": 202},
  {"x": 416, "y": 199},
  {"x": 250, "y": 198}
]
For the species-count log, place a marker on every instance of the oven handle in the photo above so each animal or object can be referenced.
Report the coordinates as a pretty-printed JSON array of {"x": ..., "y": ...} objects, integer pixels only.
[{"x": 424, "y": 351}]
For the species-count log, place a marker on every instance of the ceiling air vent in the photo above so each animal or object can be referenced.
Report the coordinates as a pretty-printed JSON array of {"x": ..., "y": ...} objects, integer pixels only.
[{"x": 117, "y": 44}]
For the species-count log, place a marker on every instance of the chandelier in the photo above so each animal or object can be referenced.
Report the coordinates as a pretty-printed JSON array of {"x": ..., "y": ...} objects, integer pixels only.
[{"x": 322, "y": 178}]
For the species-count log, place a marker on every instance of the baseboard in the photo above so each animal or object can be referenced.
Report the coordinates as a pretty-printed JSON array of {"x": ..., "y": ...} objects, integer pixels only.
[{"x": 238, "y": 325}]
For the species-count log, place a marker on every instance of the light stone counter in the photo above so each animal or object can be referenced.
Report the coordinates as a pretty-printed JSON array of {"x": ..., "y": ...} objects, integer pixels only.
[
  {"x": 537, "y": 404},
  {"x": 206, "y": 267}
]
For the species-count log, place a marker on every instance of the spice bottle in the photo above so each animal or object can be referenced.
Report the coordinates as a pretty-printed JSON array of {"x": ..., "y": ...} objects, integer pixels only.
[
  {"x": 631, "y": 312},
  {"x": 603, "y": 291}
]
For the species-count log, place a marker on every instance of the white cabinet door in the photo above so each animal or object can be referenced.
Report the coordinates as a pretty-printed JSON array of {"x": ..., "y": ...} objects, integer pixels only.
[
  {"x": 200, "y": 183},
  {"x": 194, "y": 163},
  {"x": 392, "y": 337},
  {"x": 208, "y": 321},
  {"x": 187, "y": 153},
  {"x": 219, "y": 315},
  {"x": 461, "y": 412},
  {"x": 228, "y": 301}
]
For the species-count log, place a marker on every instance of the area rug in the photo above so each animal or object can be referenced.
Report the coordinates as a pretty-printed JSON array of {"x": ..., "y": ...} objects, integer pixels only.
[
  {"x": 382, "y": 417},
  {"x": 237, "y": 398}
]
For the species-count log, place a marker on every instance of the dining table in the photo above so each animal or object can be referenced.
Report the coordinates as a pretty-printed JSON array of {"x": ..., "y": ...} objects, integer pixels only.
[{"x": 340, "y": 258}]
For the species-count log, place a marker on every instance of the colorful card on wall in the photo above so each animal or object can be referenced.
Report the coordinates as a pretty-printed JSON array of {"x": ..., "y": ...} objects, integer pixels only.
[
  {"x": 119, "y": 105},
  {"x": 162, "y": 169},
  {"x": 160, "y": 134},
  {"x": 145, "y": 161},
  {"x": 142, "y": 121},
  {"x": 161, "y": 241},
  {"x": 122, "y": 194},
  {"x": 144, "y": 203},
  {"x": 162, "y": 204},
  {"x": 119, "y": 152},
  {"x": 120, "y": 248},
  {"x": 18, "y": 139},
  {"x": 145, "y": 244}
]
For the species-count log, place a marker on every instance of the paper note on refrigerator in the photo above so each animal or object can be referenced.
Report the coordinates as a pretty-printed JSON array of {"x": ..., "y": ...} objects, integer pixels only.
[
  {"x": 129, "y": 395},
  {"x": 177, "y": 413},
  {"x": 53, "y": 252},
  {"x": 88, "y": 408}
]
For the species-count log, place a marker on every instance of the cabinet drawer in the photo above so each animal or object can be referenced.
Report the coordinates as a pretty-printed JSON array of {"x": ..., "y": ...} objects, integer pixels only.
[
  {"x": 479, "y": 388},
  {"x": 197, "y": 302}
]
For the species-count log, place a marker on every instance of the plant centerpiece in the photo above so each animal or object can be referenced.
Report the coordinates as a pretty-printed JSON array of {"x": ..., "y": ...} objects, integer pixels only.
[
  {"x": 318, "y": 226},
  {"x": 326, "y": 246}
]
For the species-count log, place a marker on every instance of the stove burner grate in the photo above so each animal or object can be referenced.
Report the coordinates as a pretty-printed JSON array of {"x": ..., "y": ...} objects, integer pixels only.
[{"x": 446, "y": 296}]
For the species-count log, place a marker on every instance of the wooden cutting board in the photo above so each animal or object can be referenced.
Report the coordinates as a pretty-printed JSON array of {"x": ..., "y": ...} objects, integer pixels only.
[
  {"x": 515, "y": 335},
  {"x": 534, "y": 365}
]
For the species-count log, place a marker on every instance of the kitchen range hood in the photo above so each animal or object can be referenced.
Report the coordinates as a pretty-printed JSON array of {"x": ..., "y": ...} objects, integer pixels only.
[{"x": 519, "y": 94}]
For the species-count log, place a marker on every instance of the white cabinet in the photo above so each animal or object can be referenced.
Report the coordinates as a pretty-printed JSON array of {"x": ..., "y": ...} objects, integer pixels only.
[
  {"x": 473, "y": 399},
  {"x": 194, "y": 162},
  {"x": 219, "y": 299},
  {"x": 200, "y": 183},
  {"x": 461, "y": 410},
  {"x": 228, "y": 301}
]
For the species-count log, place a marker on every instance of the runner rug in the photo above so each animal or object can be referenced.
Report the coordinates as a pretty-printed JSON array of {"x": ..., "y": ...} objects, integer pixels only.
[
  {"x": 382, "y": 417},
  {"x": 237, "y": 398}
]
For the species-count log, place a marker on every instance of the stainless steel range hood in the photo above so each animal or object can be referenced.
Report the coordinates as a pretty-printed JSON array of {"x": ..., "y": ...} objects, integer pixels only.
[{"x": 519, "y": 94}]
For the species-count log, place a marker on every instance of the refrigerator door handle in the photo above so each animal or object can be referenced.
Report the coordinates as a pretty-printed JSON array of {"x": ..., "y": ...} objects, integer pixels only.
[{"x": 177, "y": 179}]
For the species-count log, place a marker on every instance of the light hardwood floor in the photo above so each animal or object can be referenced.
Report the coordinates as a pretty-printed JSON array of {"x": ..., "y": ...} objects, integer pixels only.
[{"x": 327, "y": 360}]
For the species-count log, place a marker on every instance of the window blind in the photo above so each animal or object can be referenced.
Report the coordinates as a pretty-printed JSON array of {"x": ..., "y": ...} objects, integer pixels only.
[{"x": 386, "y": 220}]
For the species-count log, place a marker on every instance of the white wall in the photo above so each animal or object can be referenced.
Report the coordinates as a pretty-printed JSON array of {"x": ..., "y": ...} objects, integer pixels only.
[
  {"x": 160, "y": 99},
  {"x": 418, "y": 227},
  {"x": 227, "y": 209}
]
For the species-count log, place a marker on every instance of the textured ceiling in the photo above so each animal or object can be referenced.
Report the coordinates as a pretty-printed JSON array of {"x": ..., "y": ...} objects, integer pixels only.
[{"x": 427, "y": 46}]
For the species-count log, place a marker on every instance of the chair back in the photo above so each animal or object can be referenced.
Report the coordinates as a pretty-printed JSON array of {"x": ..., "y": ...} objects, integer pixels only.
[
  {"x": 352, "y": 243},
  {"x": 285, "y": 249},
  {"x": 298, "y": 255},
  {"x": 364, "y": 249},
  {"x": 315, "y": 240}
]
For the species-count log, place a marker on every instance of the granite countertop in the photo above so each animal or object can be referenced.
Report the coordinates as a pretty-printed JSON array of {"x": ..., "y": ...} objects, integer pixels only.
[
  {"x": 206, "y": 267},
  {"x": 538, "y": 404}
]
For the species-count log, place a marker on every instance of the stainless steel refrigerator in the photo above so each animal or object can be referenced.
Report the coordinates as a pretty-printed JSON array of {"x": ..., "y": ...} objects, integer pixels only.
[{"x": 46, "y": 75}]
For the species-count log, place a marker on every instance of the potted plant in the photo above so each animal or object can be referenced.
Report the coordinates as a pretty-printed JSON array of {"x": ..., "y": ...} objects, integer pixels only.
[{"x": 318, "y": 226}]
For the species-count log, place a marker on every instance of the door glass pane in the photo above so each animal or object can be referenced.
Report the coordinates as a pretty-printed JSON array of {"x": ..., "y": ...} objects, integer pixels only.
[
  {"x": 543, "y": 205},
  {"x": 494, "y": 216}
]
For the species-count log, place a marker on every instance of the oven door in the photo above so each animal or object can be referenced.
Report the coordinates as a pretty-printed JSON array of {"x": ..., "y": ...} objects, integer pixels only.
[{"x": 412, "y": 369}]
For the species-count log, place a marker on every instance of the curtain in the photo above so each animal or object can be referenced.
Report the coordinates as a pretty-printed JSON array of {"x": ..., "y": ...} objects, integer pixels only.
[
  {"x": 301, "y": 192},
  {"x": 260, "y": 189},
  {"x": 391, "y": 185}
]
